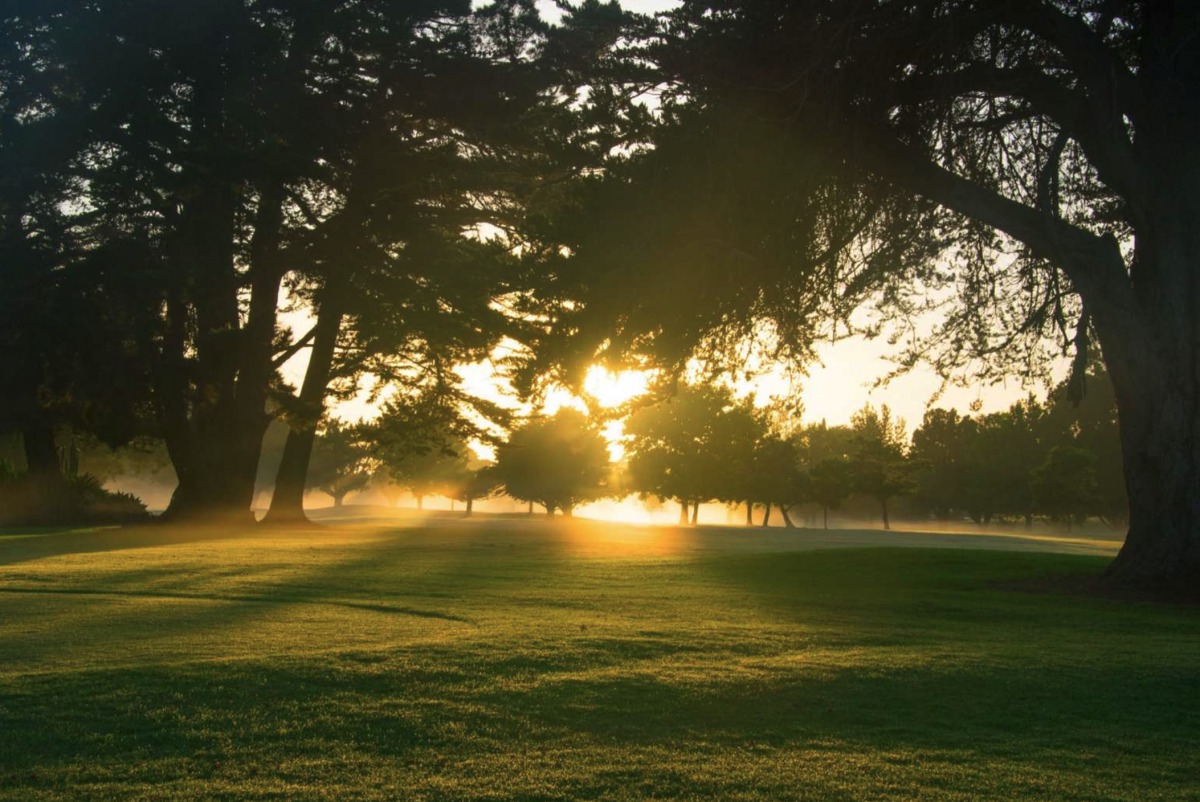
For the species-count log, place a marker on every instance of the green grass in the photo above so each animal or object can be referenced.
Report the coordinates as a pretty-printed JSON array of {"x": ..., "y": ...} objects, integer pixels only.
[{"x": 522, "y": 660}]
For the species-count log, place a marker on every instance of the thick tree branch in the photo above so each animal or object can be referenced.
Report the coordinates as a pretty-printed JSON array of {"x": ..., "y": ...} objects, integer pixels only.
[
  {"x": 1093, "y": 263},
  {"x": 294, "y": 348},
  {"x": 1091, "y": 59}
]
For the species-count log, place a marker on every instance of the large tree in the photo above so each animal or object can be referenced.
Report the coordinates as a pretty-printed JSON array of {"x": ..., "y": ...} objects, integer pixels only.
[
  {"x": 197, "y": 163},
  {"x": 73, "y": 314},
  {"x": 1036, "y": 163}
]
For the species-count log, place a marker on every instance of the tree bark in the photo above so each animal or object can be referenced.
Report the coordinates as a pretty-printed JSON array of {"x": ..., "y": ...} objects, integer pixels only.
[
  {"x": 695, "y": 512},
  {"x": 470, "y": 507},
  {"x": 41, "y": 455},
  {"x": 787, "y": 522},
  {"x": 338, "y": 498},
  {"x": 749, "y": 514},
  {"x": 766, "y": 515},
  {"x": 684, "y": 504},
  {"x": 1160, "y": 441},
  {"x": 883, "y": 506}
]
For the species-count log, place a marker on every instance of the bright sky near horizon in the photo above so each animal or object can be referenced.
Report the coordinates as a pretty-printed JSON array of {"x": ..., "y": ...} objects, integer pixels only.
[{"x": 832, "y": 391}]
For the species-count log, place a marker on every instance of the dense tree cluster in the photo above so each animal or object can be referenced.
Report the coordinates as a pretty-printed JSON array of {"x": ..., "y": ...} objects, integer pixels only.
[{"x": 723, "y": 184}]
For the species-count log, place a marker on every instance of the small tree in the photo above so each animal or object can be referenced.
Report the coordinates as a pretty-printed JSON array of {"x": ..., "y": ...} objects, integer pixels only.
[
  {"x": 694, "y": 446},
  {"x": 1064, "y": 486},
  {"x": 826, "y": 450},
  {"x": 776, "y": 477},
  {"x": 431, "y": 472},
  {"x": 478, "y": 481},
  {"x": 382, "y": 483},
  {"x": 560, "y": 462},
  {"x": 940, "y": 455},
  {"x": 830, "y": 482},
  {"x": 879, "y": 461},
  {"x": 341, "y": 462}
]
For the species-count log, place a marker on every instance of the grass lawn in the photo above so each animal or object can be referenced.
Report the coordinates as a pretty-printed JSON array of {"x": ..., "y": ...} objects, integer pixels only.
[{"x": 528, "y": 660}]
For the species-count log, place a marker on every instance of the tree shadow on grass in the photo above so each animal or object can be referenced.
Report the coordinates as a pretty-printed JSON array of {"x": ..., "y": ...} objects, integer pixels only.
[
  {"x": 450, "y": 707},
  {"x": 87, "y": 541}
]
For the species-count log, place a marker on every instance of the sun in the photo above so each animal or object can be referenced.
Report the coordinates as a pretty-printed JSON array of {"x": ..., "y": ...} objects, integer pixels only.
[{"x": 613, "y": 389}]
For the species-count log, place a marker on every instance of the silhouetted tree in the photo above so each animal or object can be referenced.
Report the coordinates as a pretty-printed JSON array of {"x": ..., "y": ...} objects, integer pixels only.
[
  {"x": 825, "y": 452},
  {"x": 385, "y": 485},
  {"x": 694, "y": 445},
  {"x": 1036, "y": 160},
  {"x": 1064, "y": 486},
  {"x": 189, "y": 164},
  {"x": 478, "y": 480},
  {"x": 940, "y": 452},
  {"x": 1006, "y": 446},
  {"x": 341, "y": 463},
  {"x": 1093, "y": 425},
  {"x": 560, "y": 461},
  {"x": 776, "y": 477},
  {"x": 878, "y": 463}
]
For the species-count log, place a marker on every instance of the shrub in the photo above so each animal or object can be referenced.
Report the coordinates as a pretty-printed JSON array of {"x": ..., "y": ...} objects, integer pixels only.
[{"x": 66, "y": 501}]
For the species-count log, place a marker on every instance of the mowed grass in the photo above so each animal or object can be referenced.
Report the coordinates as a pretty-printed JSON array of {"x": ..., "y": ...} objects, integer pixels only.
[{"x": 537, "y": 661}]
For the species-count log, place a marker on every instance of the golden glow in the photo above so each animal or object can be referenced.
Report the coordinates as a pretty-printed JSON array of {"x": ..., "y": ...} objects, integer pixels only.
[{"x": 613, "y": 389}]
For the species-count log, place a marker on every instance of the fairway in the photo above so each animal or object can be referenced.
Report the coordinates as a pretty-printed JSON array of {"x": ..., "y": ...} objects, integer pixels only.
[{"x": 532, "y": 660}]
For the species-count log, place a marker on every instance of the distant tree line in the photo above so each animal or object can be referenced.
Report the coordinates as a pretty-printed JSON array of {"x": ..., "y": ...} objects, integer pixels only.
[{"x": 699, "y": 445}]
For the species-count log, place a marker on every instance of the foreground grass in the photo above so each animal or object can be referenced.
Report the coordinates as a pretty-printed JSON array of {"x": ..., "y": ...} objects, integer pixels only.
[{"x": 534, "y": 661}]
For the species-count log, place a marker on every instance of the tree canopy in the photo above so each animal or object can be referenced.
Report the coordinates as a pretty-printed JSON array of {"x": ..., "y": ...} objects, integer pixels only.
[
  {"x": 1027, "y": 170},
  {"x": 559, "y": 461}
]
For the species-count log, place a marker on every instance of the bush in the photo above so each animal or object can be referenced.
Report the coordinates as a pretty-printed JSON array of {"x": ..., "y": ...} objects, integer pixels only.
[{"x": 64, "y": 501}]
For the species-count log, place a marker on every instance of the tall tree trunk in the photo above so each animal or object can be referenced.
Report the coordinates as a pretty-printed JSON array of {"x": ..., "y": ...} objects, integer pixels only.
[
  {"x": 470, "y": 507},
  {"x": 787, "y": 522},
  {"x": 41, "y": 455},
  {"x": 883, "y": 507},
  {"x": 338, "y": 498},
  {"x": 684, "y": 504},
  {"x": 695, "y": 512},
  {"x": 749, "y": 514},
  {"x": 530, "y": 508},
  {"x": 766, "y": 515},
  {"x": 568, "y": 511},
  {"x": 287, "y": 502},
  {"x": 1160, "y": 439},
  {"x": 214, "y": 455}
]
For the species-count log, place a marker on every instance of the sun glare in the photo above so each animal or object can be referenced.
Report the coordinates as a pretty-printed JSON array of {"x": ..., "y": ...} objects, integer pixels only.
[{"x": 613, "y": 389}]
